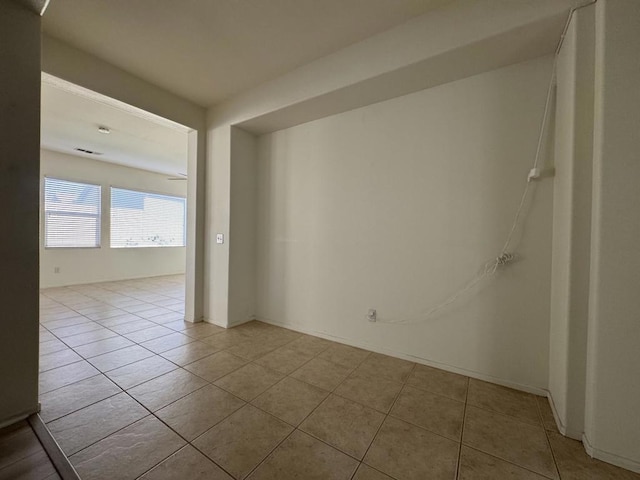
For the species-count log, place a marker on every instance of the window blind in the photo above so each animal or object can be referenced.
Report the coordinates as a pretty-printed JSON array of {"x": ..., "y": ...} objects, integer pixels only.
[
  {"x": 71, "y": 213},
  {"x": 140, "y": 219}
]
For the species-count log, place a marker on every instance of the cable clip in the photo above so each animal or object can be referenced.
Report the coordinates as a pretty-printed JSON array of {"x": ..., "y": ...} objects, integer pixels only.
[{"x": 534, "y": 174}]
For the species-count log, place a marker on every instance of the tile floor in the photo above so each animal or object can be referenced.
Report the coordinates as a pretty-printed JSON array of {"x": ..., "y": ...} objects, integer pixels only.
[{"x": 130, "y": 391}]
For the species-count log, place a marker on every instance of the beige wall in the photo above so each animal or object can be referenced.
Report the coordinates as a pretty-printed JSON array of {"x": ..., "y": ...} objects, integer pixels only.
[
  {"x": 394, "y": 206},
  {"x": 243, "y": 227},
  {"x": 89, "y": 265},
  {"x": 19, "y": 151},
  {"x": 612, "y": 423},
  {"x": 572, "y": 223}
]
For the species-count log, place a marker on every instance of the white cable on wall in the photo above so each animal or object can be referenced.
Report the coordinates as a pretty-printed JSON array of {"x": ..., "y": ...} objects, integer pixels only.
[{"x": 506, "y": 256}]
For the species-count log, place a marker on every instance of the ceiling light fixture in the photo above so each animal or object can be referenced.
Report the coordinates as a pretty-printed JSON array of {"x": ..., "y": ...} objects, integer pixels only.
[{"x": 104, "y": 130}]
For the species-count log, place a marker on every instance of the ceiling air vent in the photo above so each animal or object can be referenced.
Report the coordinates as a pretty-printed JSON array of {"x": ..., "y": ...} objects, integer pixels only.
[{"x": 90, "y": 152}]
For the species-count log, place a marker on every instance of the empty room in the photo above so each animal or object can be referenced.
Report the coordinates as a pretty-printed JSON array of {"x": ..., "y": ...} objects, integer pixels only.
[{"x": 320, "y": 239}]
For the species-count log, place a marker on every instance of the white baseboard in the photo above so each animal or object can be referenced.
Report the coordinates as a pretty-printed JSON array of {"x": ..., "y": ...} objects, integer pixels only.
[
  {"x": 611, "y": 458},
  {"x": 556, "y": 416},
  {"x": 562, "y": 428},
  {"x": 75, "y": 283},
  {"x": 412, "y": 358},
  {"x": 213, "y": 322},
  {"x": 229, "y": 324}
]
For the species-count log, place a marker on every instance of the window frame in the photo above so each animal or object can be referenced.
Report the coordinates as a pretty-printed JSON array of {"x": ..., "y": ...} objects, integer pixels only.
[
  {"x": 148, "y": 192},
  {"x": 98, "y": 215}
]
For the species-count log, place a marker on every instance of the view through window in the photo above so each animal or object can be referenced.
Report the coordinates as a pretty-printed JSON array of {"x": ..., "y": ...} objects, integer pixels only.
[
  {"x": 141, "y": 219},
  {"x": 71, "y": 214}
]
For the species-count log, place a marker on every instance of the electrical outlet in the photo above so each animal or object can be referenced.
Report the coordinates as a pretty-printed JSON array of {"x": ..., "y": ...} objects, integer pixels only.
[
  {"x": 220, "y": 238},
  {"x": 372, "y": 315},
  {"x": 56, "y": 269}
]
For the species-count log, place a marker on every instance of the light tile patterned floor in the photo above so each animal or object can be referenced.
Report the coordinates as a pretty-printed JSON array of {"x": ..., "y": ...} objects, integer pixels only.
[{"x": 130, "y": 391}]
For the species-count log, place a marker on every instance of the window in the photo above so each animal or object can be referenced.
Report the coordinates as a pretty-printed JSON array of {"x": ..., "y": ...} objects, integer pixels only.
[
  {"x": 71, "y": 214},
  {"x": 140, "y": 219}
]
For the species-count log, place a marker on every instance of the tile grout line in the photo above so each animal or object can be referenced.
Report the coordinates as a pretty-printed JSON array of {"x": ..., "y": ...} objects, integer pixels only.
[
  {"x": 188, "y": 443},
  {"x": 150, "y": 413},
  {"x": 464, "y": 421},
  {"x": 88, "y": 359},
  {"x": 103, "y": 373},
  {"x": 511, "y": 417},
  {"x": 208, "y": 383},
  {"x": 97, "y": 286},
  {"x": 331, "y": 392},
  {"x": 295, "y": 428},
  {"x": 109, "y": 435},
  {"x": 69, "y": 384},
  {"x": 119, "y": 429},
  {"x": 86, "y": 406},
  {"x": 373, "y": 439},
  {"x": 71, "y": 308},
  {"x": 84, "y": 358},
  {"x": 266, "y": 457},
  {"x": 246, "y": 403},
  {"x": 546, "y": 436},
  {"x": 510, "y": 462},
  {"x": 493, "y": 455}
]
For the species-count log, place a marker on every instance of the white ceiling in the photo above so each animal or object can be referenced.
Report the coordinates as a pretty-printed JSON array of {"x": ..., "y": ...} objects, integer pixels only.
[
  {"x": 70, "y": 118},
  {"x": 209, "y": 50}
]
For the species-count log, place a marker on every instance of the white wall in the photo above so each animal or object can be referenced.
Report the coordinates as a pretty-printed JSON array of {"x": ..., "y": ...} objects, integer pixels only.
[
  {"x": 243, "y": 227},
  {"x": 612, "y": 424},
  {"x": 394, "y": 206},
  {"x": 19, "y": 145},
  {"x": 572, "y": 224},
  {"x": 89, "y": 265},
  {"x": 464, "y": 38}
]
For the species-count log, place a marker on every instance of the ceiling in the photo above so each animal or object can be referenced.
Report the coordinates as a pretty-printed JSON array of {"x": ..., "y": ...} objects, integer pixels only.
[
  {"x": 70, "y": 118},
  {"x": 209, "y": 50}
]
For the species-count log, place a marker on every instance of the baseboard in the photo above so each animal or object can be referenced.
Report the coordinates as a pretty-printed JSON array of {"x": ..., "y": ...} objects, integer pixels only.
[
  {"x": 93, "y": 282},
  {"x": 231, "y": 324},
  {"x": 611, "y": 458},
  {"x": 213, "y": 322},
  {"x": 196, "y": 320},
  {"x": 562, "y": 428},
  {"x": 57, "y": 456},
  {"x": 411, "y": 358},
  {"x": 242, "y": 322}
]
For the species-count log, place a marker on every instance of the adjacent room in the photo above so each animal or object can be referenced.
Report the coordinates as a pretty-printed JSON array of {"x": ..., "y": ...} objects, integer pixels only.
[
  {"x": 114, "y": 188},
  {"x": 301, "y": 239}
]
